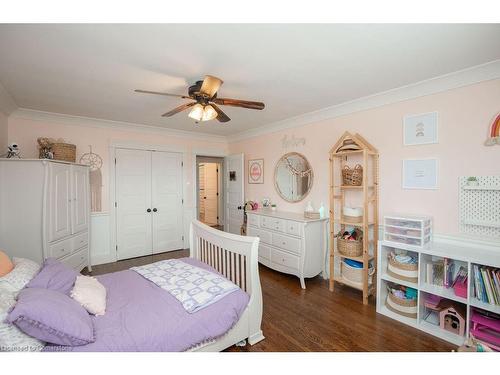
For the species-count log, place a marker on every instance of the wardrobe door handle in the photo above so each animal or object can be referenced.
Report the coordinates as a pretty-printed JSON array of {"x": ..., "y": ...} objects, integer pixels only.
[
  {"x": 154, "y": 210},
  {"x": 148, "y": 210}
]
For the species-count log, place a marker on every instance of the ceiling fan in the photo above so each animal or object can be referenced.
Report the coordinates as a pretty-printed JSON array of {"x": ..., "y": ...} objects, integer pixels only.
[{"x": 204, "y": 105}]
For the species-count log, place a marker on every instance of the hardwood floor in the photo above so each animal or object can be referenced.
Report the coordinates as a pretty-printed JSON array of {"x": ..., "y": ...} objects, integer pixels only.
[{"x": 315, "y": 319}]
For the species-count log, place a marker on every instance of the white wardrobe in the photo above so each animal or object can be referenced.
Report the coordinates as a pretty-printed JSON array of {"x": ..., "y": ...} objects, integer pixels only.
[
  {"x": 45, "y": 210},
  {"x": 148, "y": 202}
]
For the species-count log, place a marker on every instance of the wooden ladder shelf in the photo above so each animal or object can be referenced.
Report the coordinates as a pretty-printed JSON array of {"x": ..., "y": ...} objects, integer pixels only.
[{"x": 367, "y": 156}]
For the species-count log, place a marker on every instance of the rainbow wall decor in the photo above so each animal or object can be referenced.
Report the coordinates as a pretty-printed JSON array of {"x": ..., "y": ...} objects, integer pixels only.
[{"x": 494, "y": 137}]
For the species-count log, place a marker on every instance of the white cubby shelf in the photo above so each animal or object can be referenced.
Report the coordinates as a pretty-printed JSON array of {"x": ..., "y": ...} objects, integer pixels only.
[{"x": 463, "y": 254}]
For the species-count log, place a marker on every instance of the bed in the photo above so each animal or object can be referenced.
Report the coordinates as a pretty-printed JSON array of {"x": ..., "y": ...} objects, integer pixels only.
[{"x": 141, "y": 316}]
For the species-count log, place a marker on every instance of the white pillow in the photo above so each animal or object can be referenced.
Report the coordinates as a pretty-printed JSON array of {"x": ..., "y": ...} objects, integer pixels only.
[
  {"x": 90, "y": 293},
  {"x": 24, "y": 270},
  {"x": 11, "y": 337}
]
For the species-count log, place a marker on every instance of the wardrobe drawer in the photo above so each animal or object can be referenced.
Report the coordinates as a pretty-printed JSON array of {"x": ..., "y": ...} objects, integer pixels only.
[
  {"x": 80, "y": 240},
  {"x": 294, "y": 228},
  {"x": 60, "y": 249},
  {"x": 272, "y": 223},
  {"x": 77, "y": 260},
  {"x": 286, "y": 243},
  {"x": 253, "y": 220},
  {"x": 262, "y": 234},
  {"x": 285, "y": 259},
  {"x": 264, "y": 252}
]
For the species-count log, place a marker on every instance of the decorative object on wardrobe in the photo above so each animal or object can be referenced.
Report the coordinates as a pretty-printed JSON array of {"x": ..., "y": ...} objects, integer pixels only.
[
  {"x": 57, "y": 148},
  {"x": 256, "y": 171},
  {"x": 420, "y": 129},
  {"x": 289, "y": 242},
  {"x": 408, "y": 229},
  {"x": 480, "y": 206},
  {"x": 13, "y": 151},
  {"x": 293, "y": 177},
  {"x": 349, "y": 151},
  {"x": 204, "y": 105},
  {"x": 444, "y": 268},
  {"x": 45, "y": 210},
  {"x": 494, "y": 137},
  {"x": 94, "y": 161},
  {"x": 420, "y": 174}
]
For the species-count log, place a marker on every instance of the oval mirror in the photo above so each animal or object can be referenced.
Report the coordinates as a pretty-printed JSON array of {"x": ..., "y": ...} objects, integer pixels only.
[{"x": 293, "y": 177}]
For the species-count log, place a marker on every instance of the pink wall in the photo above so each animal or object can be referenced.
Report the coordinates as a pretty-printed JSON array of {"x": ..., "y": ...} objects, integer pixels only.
[
  {"x": 26, "y": 131},
  {"x": 464, "y": 118},
  {"x": 3, "y": 133}
]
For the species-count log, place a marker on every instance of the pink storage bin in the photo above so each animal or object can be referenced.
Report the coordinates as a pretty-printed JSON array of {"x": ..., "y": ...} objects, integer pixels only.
[{"x": 460, "y": 289}]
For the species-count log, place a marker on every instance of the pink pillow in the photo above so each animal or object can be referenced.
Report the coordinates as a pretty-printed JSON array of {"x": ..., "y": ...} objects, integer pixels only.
[
  {"x": 6, "y": 264},
  {"x": 90, "y": 293}
]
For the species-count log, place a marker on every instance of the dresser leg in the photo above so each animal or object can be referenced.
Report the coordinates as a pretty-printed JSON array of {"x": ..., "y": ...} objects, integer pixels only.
[{"x": 302, "y": 283}]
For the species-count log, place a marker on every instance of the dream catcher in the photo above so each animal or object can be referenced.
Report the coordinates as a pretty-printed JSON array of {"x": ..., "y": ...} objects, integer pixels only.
[{"x": 94, "y": 161}]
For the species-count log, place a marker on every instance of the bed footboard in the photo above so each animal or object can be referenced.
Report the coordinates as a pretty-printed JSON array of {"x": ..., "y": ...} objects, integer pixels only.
[{"x": 235, "y": 257}]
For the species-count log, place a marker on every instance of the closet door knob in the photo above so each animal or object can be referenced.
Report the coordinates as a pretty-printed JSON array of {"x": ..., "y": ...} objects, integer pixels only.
[
  {"x": 154, "y": 210},
  {"x": 148, "y": 210}
]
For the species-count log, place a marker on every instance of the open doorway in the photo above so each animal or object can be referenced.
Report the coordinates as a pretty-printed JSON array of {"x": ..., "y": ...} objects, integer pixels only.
[{"x": 209, "y": 172}]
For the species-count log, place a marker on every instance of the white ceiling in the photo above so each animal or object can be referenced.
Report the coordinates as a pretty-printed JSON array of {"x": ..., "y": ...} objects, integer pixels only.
[{"x": 92, "y": 70}]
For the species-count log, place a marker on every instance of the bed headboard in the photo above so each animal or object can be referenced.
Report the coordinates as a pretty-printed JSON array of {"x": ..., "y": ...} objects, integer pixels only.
[{"x": 235, "y": 257}]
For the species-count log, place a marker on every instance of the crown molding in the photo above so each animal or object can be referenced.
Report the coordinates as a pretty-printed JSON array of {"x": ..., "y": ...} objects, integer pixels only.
[
  {"x": 35, "y": 115},
  {"x": 480, "y": 73},
  {"x": 7, "y": 102}
]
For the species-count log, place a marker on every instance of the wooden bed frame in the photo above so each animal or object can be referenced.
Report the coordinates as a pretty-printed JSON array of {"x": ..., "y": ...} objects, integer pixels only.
[{"x": 235, "y": 257}]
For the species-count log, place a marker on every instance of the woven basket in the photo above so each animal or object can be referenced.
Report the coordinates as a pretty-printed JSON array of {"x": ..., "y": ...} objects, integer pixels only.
[
  {"x": 354, "y": 274},
  {"x": 64, "y": 151},
  {"x": 405, "y": 307},
  {"x": 350, "y": 248},
  {"x": 352, "y": 219},
  {"x": 403, "y": 271},
  {"x": 352, "y": 176}
]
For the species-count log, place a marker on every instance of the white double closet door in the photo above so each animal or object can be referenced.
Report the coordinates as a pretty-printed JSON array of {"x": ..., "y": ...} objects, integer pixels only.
[{"x": 149, "y": 215}]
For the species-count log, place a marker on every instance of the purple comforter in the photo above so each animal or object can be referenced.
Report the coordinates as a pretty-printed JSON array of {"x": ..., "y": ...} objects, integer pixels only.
[{"x": 140, "y": 316}]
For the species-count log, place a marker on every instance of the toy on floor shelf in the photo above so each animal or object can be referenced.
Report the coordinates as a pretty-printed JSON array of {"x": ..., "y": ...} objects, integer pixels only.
[{"x": 448, "y": 315}]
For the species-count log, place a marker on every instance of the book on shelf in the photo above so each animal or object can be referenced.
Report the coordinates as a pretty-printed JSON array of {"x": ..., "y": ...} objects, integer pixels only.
[{"x": 487, "y": 284}]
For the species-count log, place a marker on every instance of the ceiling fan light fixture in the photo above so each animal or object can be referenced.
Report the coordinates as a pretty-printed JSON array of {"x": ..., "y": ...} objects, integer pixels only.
[
  {"x": 209, "y": 113},
  {"x": 197, "y": 112}
]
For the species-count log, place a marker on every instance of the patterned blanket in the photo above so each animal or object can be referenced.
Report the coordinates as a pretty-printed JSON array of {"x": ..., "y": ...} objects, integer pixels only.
[{"x": 194, "y": 287}]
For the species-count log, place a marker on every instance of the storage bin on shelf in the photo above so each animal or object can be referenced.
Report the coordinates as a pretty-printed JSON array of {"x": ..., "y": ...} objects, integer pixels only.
[
  {"x": 350, "y": 247},
  {"x": 402, "y": 271},
  {"x": 352, "y": 271},
  {"x": 352, "y": 176},
  {"x": 352, "y": 215},
  {"x": 403, "y": 306},
  {"x": 409, "y": 230}
]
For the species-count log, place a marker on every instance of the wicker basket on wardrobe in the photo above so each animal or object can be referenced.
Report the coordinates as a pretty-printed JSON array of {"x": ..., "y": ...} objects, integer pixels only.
[{"x": 352, "y": 176}]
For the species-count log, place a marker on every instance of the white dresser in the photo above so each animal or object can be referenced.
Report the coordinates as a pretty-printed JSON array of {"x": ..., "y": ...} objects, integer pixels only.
[
  {"x": 289, "y": 242},
  {"x": 45, "y": 210}
]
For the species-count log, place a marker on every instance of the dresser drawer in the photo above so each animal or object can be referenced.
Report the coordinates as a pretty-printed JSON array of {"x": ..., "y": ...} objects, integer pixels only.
[
  {"x": 77, "y": 260},
  {"x": 293, "y": 228},
  {"x": 80, "y": 240},
  {"x": 262, "y": 234},
  {"x": 272, "y": 223},
  {"x": 60, "y": 249},
  {"x": 286, "y": 243},
  {"x": 253, "y": 220},
  {"x": 284, "y": 259},
  {"x": 264, "y": 251}
]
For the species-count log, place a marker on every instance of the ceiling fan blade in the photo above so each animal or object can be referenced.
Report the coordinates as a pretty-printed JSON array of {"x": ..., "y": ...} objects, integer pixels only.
[
  {"x": 239, "y": 103},
  {"x": 178, "y": 109},
  {"x": 210, "y": 86},
  {"x": 162, "y": 93},
  {"x": 221, "y": 116}
]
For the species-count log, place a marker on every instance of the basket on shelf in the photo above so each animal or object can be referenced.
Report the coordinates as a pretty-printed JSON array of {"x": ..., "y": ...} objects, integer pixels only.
[
  {"x": 352, "y": 215},
  {"x": 355, "y": 274},
  {"x": 352, "y": 176},
  {"x": 57, "y": 150},
  {"x": 402, "y": 306},
  {"x": 350, "y": 248},
  {"x": 402, "y": 271}
]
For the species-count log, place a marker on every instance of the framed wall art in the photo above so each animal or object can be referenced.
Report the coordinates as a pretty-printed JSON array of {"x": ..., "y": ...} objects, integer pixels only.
[
  {"x": 420, "y": 174},
  {"x": 256, "y": 171},
  {"x": 420, "y": 129}
]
